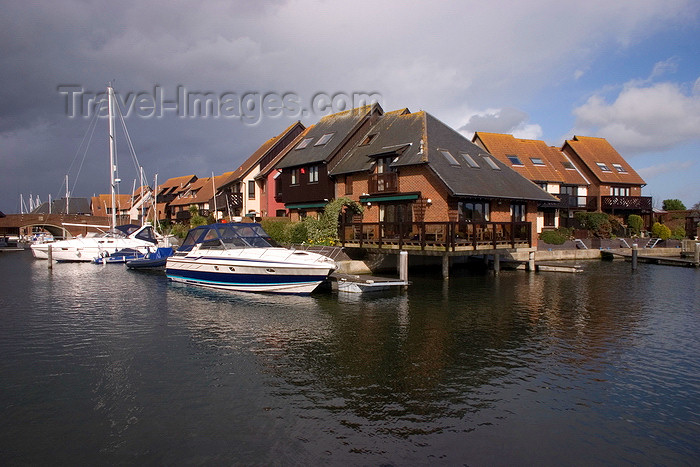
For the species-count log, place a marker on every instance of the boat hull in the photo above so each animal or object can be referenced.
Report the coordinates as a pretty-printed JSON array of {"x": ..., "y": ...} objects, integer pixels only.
[{"x": 230, "y": 274}]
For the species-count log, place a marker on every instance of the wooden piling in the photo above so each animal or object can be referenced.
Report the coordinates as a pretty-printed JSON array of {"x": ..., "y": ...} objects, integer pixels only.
[
  {"x": 496, "y": 263},
  {"x": 403, "y": 265},
  {"x": 635, "y": 252},
  {"x": 49, "y": 251},
  {"x": 445, "y": 267}
]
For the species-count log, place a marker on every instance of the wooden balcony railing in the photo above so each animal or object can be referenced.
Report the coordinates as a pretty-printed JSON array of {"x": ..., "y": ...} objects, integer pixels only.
[
  {"x": 444, "y": 236},
  {"x": 383, "y": 183},
  {"x": 639, "y": 203}
]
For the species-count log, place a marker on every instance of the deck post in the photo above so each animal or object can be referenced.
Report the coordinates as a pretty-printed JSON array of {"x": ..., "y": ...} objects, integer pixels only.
[
  {"x": 445, "y": 266},
  {"x": 403, "y": 265},
  {"x": 697, "y": 254},
  {"x": 635, "y": 252},
  {"x": 49, "y": 251},
  {"x": 496, "y": 263}
]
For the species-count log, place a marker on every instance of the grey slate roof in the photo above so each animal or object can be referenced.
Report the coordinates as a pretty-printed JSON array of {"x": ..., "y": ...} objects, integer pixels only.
[
  {"x": 420, "y": 138},
  {"x": 342, "y": 125},
  {"x": 397, "y": 132},
  {"x": 58, "y": 206}
]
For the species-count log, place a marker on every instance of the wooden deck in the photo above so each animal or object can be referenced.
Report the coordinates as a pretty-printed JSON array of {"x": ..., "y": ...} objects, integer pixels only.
[{"x": 436, "y": 236}]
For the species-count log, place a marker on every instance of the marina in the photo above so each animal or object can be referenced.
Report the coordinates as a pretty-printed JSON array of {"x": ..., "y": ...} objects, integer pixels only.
[{"x": 105, "y": 365}]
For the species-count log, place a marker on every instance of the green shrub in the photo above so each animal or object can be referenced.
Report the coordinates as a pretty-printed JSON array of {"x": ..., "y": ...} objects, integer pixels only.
[
  {"x": 678, "y": 233},
  {"x": 297, "y": 232},
  {"x": 555, "y": 237},
  {"x": 661, "y": 231},
  {"x": 635, "y": 223},
  {"x": 179, "y": 230},
  {"x": 278, "y": 230},
  {"x": 597, "y": 222}
]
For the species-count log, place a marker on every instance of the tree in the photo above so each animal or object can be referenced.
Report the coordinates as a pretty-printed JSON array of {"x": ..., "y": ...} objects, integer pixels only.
[
  {"x": 673, "y": 205},
  {"x": 635, "y": 223}
]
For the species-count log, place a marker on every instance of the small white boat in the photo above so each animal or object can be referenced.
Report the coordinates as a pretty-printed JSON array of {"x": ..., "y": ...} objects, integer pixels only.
[
  {"x": 242, "y": 257},
  {"x": 141, "y": 239}
]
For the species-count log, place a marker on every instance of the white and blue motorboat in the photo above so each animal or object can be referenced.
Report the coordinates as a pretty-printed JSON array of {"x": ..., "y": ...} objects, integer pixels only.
[{"x": 242, "y": 257}]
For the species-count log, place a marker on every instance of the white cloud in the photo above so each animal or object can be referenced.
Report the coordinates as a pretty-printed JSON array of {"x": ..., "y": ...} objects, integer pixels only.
[
  {"x": 642, "y": 118},
  {"x": 507, "y": 120},
  {"x": 659, "y": 169}
]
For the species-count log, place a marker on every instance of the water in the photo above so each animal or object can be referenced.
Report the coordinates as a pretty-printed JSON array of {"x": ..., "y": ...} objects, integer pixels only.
[{"x": 102, "y": 365}]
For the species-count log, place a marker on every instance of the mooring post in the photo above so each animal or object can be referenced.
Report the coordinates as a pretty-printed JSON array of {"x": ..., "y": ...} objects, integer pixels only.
[
  {"x": 496, "y": 263},
  {"x": 403, "y": 265},
  {"x": 445, "y": 266},
  {"x": 697, "y": 254},
  {"x": 635, "y": 252},
  {"x": 531, "y": 262},
  {"x": 50, "y": 256}
]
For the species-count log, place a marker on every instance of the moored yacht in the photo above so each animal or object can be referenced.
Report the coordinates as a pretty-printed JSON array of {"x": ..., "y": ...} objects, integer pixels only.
[
  {"x": 141, "y": 239},
  {"x": 241, "y": 256}
]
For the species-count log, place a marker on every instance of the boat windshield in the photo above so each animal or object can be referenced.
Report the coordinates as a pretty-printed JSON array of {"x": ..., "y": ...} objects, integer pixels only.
[{"x": 224, "y": 236}]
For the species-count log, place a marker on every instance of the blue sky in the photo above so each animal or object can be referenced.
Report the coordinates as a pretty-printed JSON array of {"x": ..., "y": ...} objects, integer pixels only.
[{"x": 627, "y": 70}]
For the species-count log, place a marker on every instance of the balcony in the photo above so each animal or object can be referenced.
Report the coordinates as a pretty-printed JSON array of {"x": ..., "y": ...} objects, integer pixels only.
[
  {"x": 383, "y": 183},
  {"x": 632, "y": 203}
]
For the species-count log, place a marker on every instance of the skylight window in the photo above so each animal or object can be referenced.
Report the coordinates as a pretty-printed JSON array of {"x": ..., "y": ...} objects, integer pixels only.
[
  {"x": 324, "y": 139},
  {"x": 470, "y": 160},
  {"x": 491, "y": 163},
  {"x": 304, "y": 142},
  {"x": 619, "y": 168},
  {"x": 515, "y": 160},
  {"x": 603, "y": 167},
  {"x": 537, "y": 161},
  {"x": 450, "y": 158},
  {"x": 568, "y": 165}
]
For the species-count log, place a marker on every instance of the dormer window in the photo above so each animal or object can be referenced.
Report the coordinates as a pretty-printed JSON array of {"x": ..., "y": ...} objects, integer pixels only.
[
  {"x": 303, "y": 143},
  {"x": 324, "y": 139},
  {"x": 515, "y": 160},
  {"x": 619, "y": 168},
  {"x": 603, "y": 167}
]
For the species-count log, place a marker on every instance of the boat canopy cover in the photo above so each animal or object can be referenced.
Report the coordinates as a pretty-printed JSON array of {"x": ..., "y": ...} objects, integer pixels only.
[
  {"x": 224, "y": 236},
  {"x": 146, "y": 232}
]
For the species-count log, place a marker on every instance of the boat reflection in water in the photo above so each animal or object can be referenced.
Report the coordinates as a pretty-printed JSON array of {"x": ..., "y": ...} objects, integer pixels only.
[{"x": 242, "y": 256}]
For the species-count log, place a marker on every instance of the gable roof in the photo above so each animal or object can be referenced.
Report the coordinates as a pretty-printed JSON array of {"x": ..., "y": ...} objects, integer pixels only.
[
  {"x": 491, "y": 179},
  {"x": 266, "y": 148},
  {"x": 123, "y": 203},
  {"x": 396, "y": 133},
  {"x": 592, "y": 151},
  {"x": 340, "y": 127},
  {"x": 551, "y": 168},
  {"x": 264, "y": 171},
  {"x": 421, "y": 139},
  {"x": 176, "y": 184},
  {"x": 201, "y": 191},
  {"x": 58, "y": 206}
]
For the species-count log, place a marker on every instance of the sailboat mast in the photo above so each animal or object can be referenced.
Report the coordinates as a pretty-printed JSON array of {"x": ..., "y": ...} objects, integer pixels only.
[{"x": 112, "y": 151}]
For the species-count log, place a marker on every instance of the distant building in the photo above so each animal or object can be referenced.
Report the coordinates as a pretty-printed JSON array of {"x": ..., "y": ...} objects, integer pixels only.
[{"x": 59, "y": 206}]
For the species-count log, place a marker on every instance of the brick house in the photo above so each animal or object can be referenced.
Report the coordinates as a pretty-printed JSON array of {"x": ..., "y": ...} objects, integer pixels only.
[
  {"x": 253, "y": 200},
  {"x": 615, "y": 187},
  {"x": 272, "y": 203},
  {"x": 546, "y": 166},
  {"x": 420, "y": 179},
  {"x": 168, "y": 191},
  {"x": 304, "y": 182}
]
